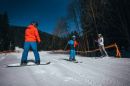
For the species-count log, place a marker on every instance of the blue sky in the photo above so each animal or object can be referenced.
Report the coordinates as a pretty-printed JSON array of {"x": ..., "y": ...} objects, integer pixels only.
[{"x": 46, "y": 12}]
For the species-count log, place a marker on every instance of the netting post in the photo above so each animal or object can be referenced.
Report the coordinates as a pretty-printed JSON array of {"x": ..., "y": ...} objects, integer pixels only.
[{"x": 118, "y": 54}]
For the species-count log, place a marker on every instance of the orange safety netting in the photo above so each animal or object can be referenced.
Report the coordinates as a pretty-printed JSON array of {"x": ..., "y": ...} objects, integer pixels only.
[{"x": 118, "y": 54}]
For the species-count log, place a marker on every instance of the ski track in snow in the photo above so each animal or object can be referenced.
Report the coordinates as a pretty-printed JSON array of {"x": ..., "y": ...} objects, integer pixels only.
[
  {"x": 92, "y": 72},
  {"x": 1, "y": 58}
]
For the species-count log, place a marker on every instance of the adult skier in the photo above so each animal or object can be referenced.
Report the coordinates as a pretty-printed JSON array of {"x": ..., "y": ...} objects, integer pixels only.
[
  {"x": 31, "y": 39},
  {"x": 100, "y": 42},
  {"x": 72, "y": 43}
]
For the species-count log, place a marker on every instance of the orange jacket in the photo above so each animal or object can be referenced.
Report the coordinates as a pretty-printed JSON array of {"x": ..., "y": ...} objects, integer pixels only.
[
  {"x": 31, "y": 34},
  {"x": 75, "y": 43}
]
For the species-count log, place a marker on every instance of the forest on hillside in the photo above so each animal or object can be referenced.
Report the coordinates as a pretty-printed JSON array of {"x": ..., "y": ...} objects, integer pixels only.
[
  {"x": 91, "y": 17},
  {"x": 111, "y": 18},
  {"x": 13, "y": 36}
]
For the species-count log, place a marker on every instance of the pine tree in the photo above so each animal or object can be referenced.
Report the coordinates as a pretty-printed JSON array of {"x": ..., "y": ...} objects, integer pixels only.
[{"x": 4, "y": 25}]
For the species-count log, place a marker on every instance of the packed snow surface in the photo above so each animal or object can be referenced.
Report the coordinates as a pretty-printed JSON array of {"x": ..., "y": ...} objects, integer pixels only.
[{"x": 91, "y": 71}]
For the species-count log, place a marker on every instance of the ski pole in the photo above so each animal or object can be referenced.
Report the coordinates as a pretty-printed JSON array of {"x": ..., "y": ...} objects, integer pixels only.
[{"x": 65, "y": 46}]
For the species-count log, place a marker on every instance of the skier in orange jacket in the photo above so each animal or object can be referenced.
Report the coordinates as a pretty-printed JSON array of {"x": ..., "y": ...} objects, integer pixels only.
[
  {"x": 31, "y": 33},
  {"x": 31, "y": 37}
]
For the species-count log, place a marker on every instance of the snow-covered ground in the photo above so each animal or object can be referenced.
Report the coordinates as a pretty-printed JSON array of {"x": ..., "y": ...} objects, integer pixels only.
[{"x": 108, "y": 71}]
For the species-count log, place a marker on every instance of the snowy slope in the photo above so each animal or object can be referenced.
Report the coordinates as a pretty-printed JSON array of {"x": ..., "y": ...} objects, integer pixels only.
[{"x": 91, "y": 72}]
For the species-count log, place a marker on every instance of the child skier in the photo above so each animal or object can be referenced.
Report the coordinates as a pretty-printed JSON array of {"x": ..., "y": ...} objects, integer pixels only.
[
  {"x": 72, "y": 43},
  {"x": 31, "y": 36}
]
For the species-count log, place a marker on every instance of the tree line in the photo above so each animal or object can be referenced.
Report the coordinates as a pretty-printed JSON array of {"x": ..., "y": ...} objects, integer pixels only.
[
  {"x": 108, "y": 17},
  {"x": 87, "y": 18},
  {"x": 13, "y": 36},
  {"x": 5, "y": 36}
]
